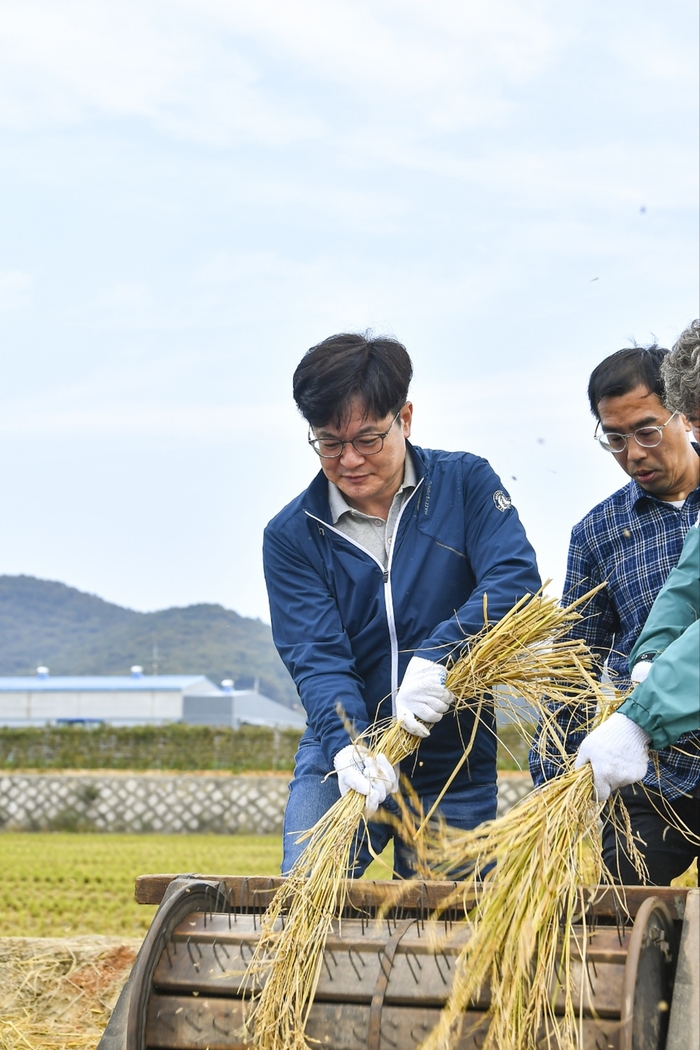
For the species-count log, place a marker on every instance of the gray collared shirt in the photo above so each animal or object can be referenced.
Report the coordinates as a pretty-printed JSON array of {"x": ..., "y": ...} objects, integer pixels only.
[{"x": 371, "y": 532}]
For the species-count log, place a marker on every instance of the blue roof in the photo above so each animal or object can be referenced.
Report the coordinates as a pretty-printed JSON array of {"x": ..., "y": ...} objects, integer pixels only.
[{"x": 100, "y": 683}]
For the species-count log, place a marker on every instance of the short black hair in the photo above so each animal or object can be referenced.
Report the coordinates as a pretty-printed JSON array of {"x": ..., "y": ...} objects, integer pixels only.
[
  {"x": 623, "y": 371},
  {"x": 352, "y": 367}
]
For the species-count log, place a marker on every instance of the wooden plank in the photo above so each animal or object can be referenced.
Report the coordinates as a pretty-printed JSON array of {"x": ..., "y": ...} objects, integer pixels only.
[
  {"x": 253, "y": 893},
  {"x": 185, "y": 1023},
  {"x": 348, "y": 976},
  {"x": 605, "y": 943},
  {"x": 209, "y": 954},
  {"x": 231, "y": 927},
  {"x": 255, "y": 890},
  {"x": 214, "y": 969},
  {"x": 344, "y": 933},
  {"x": 182, "y": 1023}
]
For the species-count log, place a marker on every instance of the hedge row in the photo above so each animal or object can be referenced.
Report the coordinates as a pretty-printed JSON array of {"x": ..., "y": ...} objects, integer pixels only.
[{"x": 174, "y": 746}]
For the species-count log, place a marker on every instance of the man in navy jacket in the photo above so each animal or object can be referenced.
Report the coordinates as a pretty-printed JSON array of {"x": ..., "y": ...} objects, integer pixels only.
[{"x": 376, "y": 574}]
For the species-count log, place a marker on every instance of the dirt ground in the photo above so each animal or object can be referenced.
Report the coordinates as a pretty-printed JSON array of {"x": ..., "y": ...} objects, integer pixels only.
[{"x": 59, "y": 993}]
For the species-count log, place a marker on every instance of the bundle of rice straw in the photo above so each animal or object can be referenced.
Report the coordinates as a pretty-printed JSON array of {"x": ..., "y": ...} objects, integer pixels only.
[
  {"x": 525, "y": 654},
  {"x": 523, "y": 942}
]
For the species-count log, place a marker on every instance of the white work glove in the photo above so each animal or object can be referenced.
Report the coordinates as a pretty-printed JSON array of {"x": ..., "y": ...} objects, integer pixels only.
[
  {"x": 372, "y": 775},
  {"x": 618, "y": 750},
  {"x": 640, "y": 671},
  {"x": 422, "y": 694}
]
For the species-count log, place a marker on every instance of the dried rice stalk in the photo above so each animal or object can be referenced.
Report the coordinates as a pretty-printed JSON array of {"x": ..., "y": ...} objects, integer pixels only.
[
  {"x": 296, "y": 924},
  {"x": 524, "y": 654},
  {"x": 58, "y": 993},
  {"x": 545, "y": 852}
]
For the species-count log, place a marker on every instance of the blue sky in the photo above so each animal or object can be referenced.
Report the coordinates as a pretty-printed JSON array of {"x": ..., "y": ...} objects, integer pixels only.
[{"x": 195, "y": 193}]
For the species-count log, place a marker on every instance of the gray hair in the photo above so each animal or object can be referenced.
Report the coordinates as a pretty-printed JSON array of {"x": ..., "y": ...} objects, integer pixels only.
[{"x": 680, "y": 371}]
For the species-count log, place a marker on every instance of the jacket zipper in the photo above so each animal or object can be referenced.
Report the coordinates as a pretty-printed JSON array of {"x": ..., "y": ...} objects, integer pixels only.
[
  {"x": 389, "y": 605},
  {"x": 388, "y": 596}
]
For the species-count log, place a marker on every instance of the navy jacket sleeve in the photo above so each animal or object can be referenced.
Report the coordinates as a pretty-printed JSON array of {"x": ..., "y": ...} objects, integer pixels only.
[{"x": 312, "y": 642}]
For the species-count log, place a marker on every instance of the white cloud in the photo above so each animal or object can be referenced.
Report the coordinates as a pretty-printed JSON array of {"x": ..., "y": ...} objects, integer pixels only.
[
  {"x": 381, "y": 81},
  {"x": 73, "y": 61},
  {"x": 189, "y": 67}
]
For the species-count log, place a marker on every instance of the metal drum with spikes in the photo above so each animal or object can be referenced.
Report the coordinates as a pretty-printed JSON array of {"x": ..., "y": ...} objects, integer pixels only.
[{"x": 382, "y": 982}]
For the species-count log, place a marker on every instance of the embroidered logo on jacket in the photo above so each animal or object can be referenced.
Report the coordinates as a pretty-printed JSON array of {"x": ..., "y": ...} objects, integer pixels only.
[{"x": 502, "y": 500}]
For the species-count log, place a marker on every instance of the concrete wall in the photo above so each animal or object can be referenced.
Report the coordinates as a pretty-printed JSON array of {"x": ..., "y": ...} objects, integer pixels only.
[{"x": 169, "y": 803}]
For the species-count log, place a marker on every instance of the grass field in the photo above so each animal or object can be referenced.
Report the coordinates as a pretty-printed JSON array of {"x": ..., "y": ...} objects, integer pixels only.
[{"x": 63, "y": 885}]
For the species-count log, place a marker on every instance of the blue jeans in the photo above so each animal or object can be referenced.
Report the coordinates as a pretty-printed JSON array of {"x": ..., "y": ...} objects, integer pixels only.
[{"x": 311, "y": 795}]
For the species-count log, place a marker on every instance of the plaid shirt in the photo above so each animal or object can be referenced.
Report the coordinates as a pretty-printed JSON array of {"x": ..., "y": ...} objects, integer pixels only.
[{"x": 631, "y": 540}]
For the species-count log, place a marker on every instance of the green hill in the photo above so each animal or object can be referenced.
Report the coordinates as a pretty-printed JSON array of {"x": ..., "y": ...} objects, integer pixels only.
[{"x": 42, "y": 622}]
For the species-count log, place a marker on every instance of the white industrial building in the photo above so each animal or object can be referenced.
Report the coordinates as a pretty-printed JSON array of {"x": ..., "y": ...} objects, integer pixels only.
[
  {"x": 234, "y": 707},
  {"x": 135, "y": 699}
]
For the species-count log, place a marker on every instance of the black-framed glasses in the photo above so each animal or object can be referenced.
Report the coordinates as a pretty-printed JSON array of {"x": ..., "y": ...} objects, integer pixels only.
[
  {"x": 366, "y": 444},
  {"x": 647, "y": 437}
]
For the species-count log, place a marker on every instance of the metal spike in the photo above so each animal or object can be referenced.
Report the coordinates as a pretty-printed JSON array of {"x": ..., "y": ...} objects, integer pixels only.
[
  {"x": 162, "y": 1015},
  {"x": 214, "y": 946},
  {"x": 328, "y": 969},
  {"x": 386, "y": 1038},
  {"x": 437, "y": 963},
  {"x": 192, "y": 1024},
  {"x": 191, "y": 955},
  {"x": 357, "y": 972},
  {"x": 408, "y": 963}
]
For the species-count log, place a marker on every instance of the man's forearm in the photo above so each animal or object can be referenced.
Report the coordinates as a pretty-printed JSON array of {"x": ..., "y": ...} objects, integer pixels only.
[{"x": 667, "y": 703}]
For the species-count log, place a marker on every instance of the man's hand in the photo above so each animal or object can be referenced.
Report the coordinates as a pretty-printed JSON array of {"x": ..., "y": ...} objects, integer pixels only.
[
  {"x": 423, "y": 695},
  {"x": 618, "y": 751},
  {"x": 372, "y": 775}
]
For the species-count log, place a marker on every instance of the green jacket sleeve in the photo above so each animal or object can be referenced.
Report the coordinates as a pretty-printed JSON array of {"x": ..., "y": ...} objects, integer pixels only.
[
  {"x": 677, "y": 604},
  {"x": 667, "y": 703}
]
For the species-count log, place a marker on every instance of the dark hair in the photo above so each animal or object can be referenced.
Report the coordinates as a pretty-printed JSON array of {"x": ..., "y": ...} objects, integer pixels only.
[
  {"x": 623, "y": 371},
  {"x": 351, "y": 367},
  {"x": 681, "y": 373}
]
